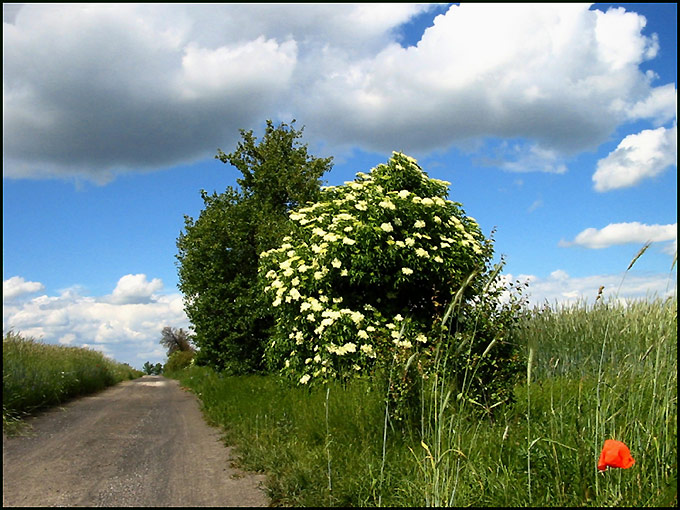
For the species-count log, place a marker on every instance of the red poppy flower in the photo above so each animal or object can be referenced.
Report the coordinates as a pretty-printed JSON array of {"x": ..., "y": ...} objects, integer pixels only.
[{"x": 615, "y": 454}]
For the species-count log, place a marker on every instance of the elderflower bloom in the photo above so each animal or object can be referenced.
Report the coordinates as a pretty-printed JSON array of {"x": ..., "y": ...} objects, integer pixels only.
[
  {"x": 402, "y": 343},
  {"x": 348, "y": 347},
  {"x": 368, "y": 350}
]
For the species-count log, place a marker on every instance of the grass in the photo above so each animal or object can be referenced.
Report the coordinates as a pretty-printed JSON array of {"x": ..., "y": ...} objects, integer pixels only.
[
  {"x": 37, "y": 375},
  {"x": 603, "y": 371}
]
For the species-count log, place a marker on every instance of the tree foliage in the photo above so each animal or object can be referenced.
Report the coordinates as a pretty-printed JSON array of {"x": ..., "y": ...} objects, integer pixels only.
[
  {"x": 218, "y": 253},
  {"x": 150, "y": 369},
  {"x": 175, "y": 340}
]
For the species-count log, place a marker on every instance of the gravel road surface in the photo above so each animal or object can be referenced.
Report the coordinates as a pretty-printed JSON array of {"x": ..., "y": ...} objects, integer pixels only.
[{"x": 139, "y": 443}]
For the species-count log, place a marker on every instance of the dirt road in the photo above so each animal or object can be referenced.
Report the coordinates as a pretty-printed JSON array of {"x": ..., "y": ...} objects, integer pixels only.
[{"x": 139, "y": 443}]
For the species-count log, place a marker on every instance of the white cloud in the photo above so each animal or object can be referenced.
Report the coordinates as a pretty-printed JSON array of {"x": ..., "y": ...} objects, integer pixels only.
[
  {"x": 660, "y": 105},
  {"x": 17, "y": 286},
  {"x": 239, "y": 70},
  {"x": 134, "y": 288},
  {"x": 623, "y": 233},
  {"x": 617, "y": 32},
  {"x": 557, "y": 74},
  {"x": 637, "y": 157},
  {"x": 67, "y": 339},
  {"x": 126, "y": 328},
  {"x": 530, "y": 159},
  {"x": 562, "y": 288},
  {"x": 128, "y": 87}
]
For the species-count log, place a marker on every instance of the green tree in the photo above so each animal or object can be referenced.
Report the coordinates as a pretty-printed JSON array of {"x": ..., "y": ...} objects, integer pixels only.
[
  {"x": 147, "y": 368},
  {"x": 218, "y": 253},
  {"x": 175, "y": 340}
]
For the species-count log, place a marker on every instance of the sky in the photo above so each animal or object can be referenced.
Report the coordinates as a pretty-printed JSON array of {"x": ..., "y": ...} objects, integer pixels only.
[{"x": 556, "y": 125}]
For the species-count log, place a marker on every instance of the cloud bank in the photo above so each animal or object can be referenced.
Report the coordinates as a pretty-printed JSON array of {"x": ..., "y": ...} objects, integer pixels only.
[
  {"x": 623, "y": 233},
  {"x": 125, "y": 324},
  {"x": 93, "y": 90},
  {"x": 559, "y": 288}
]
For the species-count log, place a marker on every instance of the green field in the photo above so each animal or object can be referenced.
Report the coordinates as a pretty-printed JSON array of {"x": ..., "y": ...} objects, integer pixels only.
[
  {"x": 595, "y": 372},
  {"x": 37, "y": 375}
]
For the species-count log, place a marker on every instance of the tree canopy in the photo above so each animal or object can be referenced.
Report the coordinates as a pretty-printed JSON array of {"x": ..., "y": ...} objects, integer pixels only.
[
  {"x": 218, "y": 253},
  {"x": 175, "y": 340}
]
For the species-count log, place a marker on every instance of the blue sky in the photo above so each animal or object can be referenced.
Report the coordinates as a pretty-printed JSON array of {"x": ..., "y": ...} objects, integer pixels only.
[{"x": 555, "y": 124}]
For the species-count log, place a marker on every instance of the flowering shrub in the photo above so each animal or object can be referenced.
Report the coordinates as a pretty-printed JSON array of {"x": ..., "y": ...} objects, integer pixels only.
[{"x": 366, "y": 273}]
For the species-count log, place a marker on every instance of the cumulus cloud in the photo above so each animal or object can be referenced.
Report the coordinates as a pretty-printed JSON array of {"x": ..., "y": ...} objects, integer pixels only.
[
  {"x": 561, "y": 288},
  {"x": 135, "y": 289},
  {"x": 560, "y": 75},
  {"x": 126, "y": 87},
  {"x": 623, "y": 233},
  {"x": 656, "y": 106},
  {"x": 637, "y": 157},
  {"x": 126, "y": 328},
  {"x": 122, "y": 87},
  {"x": 17, "y": 286}
]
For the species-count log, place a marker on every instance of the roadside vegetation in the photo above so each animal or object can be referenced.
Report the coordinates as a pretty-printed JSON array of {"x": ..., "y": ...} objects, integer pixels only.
[
  {"x": 37, "y": 375},
  {"x": 597, "y": 372},
  {"x": 359, "y": 346}
]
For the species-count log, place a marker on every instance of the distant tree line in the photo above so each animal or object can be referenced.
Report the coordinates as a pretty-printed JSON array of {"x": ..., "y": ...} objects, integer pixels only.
[{"x": 150, "y": 369}]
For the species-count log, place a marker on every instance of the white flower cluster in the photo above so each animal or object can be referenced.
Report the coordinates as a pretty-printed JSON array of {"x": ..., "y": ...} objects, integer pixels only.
[{"x": 343, "y": 238}]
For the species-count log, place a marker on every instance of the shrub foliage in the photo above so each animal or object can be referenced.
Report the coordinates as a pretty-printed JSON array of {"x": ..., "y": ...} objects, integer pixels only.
[{"x": 365, "y": 276}]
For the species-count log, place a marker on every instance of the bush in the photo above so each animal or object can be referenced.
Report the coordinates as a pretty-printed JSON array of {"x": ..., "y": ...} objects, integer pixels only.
[
  {"x": 37, "y": 375},
  {"x": 364, "y": 279},
  {"x": 179, "y": 360}
]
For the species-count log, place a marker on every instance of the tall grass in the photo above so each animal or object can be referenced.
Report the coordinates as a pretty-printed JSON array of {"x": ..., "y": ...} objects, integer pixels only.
[
  {"x": 320, "y": 446},
  {"x": 305, "y": 438},
  {"x": 624, "y": 388},
  {"x": 37, "y": 375}
]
